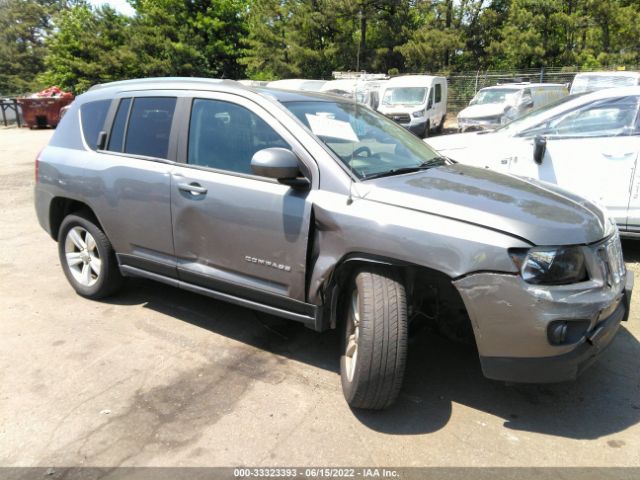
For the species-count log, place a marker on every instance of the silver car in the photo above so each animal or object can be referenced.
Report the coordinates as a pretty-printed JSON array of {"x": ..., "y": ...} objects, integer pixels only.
[{"x": 322, "y": 211}]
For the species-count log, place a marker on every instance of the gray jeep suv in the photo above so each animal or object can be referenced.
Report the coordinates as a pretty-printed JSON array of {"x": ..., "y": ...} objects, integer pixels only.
[{"x": 322, "y": 211}]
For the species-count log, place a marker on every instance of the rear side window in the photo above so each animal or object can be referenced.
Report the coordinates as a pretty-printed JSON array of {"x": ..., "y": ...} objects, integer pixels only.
[
  {"x": 116, "y": 139},
  {"x": 150, "y": 126},
  {"x": 92, "y": 116},
  {"x": 438, "y": 93}
]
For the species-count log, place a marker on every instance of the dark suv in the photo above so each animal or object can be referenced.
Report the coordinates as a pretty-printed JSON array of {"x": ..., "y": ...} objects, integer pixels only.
[{"x": 322, "y": 211}]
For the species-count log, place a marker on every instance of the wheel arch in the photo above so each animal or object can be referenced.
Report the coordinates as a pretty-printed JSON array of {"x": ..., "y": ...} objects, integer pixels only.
[
  {"x": 423, "y": 285},
  {"x": 61, "y": 207}
]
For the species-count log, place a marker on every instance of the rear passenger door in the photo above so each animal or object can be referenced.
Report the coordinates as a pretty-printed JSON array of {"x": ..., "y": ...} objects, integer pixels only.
[
  {"x": 234, "y": 231},
  {"x": 138, "y": 155}
]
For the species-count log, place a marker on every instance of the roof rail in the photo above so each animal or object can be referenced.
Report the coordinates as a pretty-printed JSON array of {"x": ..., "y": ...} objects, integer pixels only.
[{"x": 143, "y": 81}]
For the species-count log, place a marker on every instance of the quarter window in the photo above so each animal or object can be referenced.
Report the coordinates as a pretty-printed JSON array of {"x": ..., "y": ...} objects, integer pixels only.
[
  {"x": 150, "y": 126},
  {"x": 92, "y": 116},
  {"x": 225, "y": 136}
]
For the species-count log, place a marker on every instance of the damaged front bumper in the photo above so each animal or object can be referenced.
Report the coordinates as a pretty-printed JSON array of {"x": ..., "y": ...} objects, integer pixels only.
[{"x": 513, "y": 323}]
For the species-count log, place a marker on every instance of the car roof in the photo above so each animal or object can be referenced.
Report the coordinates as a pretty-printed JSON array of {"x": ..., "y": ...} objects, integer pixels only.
[
  {"x": 613, "y": 92},
  {"x": 521, "y": 86},
  {"x": 618, "y": 73},
  {"x": 206, "y": 84}
]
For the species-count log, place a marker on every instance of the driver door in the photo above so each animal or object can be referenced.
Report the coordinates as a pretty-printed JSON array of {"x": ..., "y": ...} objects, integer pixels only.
[{"x": 234, "y": 231}]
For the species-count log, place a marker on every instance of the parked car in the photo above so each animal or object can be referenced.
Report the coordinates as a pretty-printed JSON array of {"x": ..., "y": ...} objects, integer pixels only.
[
  {"x": 588, "y": 144},
  {"x": 495, "y": 106},
  {"x": 322, "y": 211},
  {"x": 298, "y": 84},
  {"x": 417, "y": 102},
  {"x": 593, "y": 81}
]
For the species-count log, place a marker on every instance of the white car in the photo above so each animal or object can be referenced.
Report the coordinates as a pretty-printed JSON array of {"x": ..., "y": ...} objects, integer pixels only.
[
  {"x": 588, "y": 144},
  {"x": 495, "y": 106}
]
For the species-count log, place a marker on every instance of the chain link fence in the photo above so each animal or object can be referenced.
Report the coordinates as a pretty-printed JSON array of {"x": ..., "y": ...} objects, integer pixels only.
[{"x": 464, "y": 85}]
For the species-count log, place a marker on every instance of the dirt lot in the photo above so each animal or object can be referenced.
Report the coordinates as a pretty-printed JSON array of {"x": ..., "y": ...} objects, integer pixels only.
[{"x": 157, "y": 376}]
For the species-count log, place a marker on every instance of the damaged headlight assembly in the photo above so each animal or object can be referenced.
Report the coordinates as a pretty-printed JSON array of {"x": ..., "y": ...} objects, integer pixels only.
[{"x": 551, "y": 265}]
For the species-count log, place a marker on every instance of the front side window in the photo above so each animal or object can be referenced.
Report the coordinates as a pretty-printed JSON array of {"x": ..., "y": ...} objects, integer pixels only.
[
  {"x": 225, "y": 136},
  {"x": 438, "y": 92},
  {"x": 149, "y": 126},
  {"x": 368, "y": 143},
  {"x": 603, "y": 118},
  {"x": 404, "y": 96},
  {"x": 92, "y": 116}
]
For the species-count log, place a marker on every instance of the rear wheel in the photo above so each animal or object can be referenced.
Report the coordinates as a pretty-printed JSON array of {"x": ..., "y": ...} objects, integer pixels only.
[
  {"x": 87, "y": 258},
  {"x": 375, "y": 339}
]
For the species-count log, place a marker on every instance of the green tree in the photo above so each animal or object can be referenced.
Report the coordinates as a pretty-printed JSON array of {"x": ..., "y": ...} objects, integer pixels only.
[
  {"x": 265, "y": 52},
  {"x": 189, "y": 37},
  {"x": 24, "y": 25},
  {"x": 89, "y": 47}
]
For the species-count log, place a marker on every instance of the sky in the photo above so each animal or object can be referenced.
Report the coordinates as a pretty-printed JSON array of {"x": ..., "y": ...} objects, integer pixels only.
[{"x": 120, "y": 5}]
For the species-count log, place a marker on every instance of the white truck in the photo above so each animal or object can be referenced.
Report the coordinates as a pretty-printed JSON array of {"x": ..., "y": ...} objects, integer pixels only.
[{"x": 417, "y": 102}]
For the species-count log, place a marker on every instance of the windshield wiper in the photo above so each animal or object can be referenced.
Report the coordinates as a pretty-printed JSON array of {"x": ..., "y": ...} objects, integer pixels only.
[{"x": 434, "y": 162}]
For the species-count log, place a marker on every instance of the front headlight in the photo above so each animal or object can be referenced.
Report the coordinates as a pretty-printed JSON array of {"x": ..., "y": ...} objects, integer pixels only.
[
  {"x": 417, "y": 114},
  {"x": 551, "y": 266}
]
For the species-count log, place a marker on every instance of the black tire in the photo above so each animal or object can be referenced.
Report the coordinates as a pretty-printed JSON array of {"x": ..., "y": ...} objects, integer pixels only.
[
  {"x": 109, "y": 279},
  {"x": 427, "y": 130},
  {"x": 374, "y": 380},
  {"x": 440, "y": 127}
]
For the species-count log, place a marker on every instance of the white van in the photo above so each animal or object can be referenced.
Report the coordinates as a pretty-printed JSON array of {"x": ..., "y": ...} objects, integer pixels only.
[
  {"x": 495, "y": 106},
  {"x": 592, "y": 81},
  {"x": 417, "y": 102}
]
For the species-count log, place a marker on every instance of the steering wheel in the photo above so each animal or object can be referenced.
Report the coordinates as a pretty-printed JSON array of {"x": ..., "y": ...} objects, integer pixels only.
[{"x": 360, "y": 150}]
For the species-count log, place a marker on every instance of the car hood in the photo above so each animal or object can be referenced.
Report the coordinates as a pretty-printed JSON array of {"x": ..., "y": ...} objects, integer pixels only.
[
  {"x": 540, "y": 213},
  {"x": 479, "y": 111},
  {"x": 399, "y": 108}
]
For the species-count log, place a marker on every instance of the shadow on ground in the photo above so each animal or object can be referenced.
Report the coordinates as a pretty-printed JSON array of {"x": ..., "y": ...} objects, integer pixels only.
[{"x": 603, "y": 401}]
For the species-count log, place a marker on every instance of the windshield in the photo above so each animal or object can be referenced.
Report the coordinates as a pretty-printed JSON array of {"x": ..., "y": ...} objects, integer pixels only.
[
  {"x": 494, "y": 95},
  {"x": 533, "y": 115},
  {"x": 404, "y": 96},
  {"x": 366, "y": 142},
  {"x": 591, "y": 83}
]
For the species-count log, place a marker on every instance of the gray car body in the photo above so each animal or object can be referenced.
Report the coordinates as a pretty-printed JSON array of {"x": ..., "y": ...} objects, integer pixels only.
[{"x": 255, "y": 242}]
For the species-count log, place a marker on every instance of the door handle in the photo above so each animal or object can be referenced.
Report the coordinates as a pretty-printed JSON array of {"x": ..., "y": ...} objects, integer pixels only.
[{"x": 193, "y": 188}]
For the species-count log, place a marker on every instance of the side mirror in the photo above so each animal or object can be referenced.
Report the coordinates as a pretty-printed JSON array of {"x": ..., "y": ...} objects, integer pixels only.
[
  {"x": 430, "y": 104},
  {"x": 281, "y": 164},
  {"x": 539, "y": 149}
]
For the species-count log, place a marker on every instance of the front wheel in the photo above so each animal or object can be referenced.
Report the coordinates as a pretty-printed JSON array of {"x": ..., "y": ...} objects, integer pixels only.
[
  {"x": 375, "y": 339},
  {"x": 427, "y": 130},
  {"x": 87, "y": 258}
]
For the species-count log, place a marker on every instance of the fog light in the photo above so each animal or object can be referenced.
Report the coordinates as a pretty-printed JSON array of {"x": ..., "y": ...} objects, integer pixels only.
[{"x": 558, "y": 333}]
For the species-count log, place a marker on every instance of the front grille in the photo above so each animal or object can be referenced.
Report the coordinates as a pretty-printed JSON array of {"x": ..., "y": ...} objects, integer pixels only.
[{"x": 399, "y": 117}]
